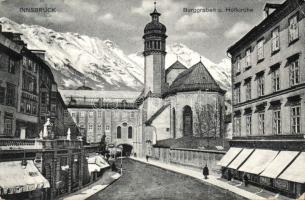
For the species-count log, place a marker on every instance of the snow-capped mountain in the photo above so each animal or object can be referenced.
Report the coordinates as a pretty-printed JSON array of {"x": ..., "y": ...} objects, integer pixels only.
[
  {"x": 76, "y": 58},
  {"x": 221, "y": 72}
]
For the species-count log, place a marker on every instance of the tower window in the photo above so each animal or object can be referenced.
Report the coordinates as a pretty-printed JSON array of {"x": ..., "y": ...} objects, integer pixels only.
[
  {"x": 155, "y": 44},
  {"x": 119, "y": 136},
  {"x": 158, "y": 44}
]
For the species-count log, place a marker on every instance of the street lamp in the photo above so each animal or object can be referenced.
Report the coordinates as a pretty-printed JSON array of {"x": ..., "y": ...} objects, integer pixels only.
[{"x": 121, "y": 147}]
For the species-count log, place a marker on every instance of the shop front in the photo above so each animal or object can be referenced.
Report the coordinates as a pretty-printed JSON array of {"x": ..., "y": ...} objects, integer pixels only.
[{"x": 21, "y": 180}]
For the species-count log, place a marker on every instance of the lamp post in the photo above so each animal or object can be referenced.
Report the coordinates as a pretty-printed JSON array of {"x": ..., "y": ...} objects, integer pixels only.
[{"x": 121, "y": 147}]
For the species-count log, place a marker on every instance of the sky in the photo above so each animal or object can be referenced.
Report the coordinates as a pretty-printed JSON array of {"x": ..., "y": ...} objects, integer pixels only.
[{"x": 210, "y": 32}]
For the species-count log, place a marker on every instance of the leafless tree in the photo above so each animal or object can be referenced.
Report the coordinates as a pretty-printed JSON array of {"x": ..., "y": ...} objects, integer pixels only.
[{"x": 206, "y": 123}]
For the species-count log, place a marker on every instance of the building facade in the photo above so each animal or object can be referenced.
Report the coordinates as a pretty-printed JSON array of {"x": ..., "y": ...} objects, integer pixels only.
[
  {"x": 97, "y": 113},
  {"x": 179, "y": 102},
  {"x": 268, "y": 80},
  {"x": 28, "y": 90}
]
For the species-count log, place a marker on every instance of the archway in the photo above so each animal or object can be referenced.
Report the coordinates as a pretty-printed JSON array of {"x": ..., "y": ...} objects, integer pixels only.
[
  {"x": 127, "y": 148},
  {"x": 187, "y": 121}
]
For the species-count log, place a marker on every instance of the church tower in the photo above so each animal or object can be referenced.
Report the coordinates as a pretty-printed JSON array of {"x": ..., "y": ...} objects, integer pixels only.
[{"x": 154, "y": 55}]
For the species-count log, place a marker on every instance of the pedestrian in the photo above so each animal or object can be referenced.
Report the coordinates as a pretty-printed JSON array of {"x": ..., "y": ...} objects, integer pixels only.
[
  {"x": 113, "y": 167},
  {"x": 205, "y": 171},
  {"x": 147, "y": 158},
  {"x": 246, "y": 179},
  {"x": 229, "y": 175}
]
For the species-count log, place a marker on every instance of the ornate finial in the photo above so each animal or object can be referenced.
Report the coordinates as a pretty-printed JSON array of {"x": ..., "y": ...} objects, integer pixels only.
[
  {"x": 200, "y": 58},
  {"x": 155, "y": 5}
]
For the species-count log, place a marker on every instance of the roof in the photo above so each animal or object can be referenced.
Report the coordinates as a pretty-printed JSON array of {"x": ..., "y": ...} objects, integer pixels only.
[
  {"x": 282, "y": 10},
  {"x": 99, "y": 99},
  {"x": 156, "y": 114},
  {"x": 175, "y": 65},
  {"x": 195, "y": 78}
]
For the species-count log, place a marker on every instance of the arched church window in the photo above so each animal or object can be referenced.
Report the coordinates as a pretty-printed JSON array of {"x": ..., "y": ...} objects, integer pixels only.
[
  {"x": 187, "y": 121},
  {"x": 129, "y": 132},
  {"x": 119, "y": 132}
]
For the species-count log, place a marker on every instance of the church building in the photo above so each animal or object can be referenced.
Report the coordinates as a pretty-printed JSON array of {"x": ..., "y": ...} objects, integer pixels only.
[{"x": 177, "y": 102}]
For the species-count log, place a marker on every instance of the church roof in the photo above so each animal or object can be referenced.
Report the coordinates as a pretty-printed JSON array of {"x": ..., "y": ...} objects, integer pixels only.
[
  {"x": 195, "y": 78},
  {"x": 175, "y": 65},
  {"x": 156, "y": 114}
]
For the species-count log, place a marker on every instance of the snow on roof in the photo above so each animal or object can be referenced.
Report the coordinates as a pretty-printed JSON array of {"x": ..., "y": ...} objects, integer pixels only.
[
  {"x": 95, "y": 94},
  {"x": 258, "y": 161},
  {"x": 281, "y": 161}
]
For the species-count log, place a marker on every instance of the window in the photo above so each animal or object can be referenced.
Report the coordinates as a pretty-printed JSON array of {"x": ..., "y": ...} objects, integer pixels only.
[
  {"x": 90, "y": 114},
  {"x": 238, "y": 64},
  {"x": 293, "y": 30},
  {"x": 28, "y": 108},
  {"x": 237, "y": 127},
  {"x": 2, "y": 95},
  {"x": 260, "y": 50},
  {"x": 118, "y": 132},
  {"x": 8, "y": 126},
  {"x": 12, "y": 66},
  {"x": 248, "y": 58},
  {"x": 260, "y": 85},
  {"x": 296, "y": 119},
  {"x": 82, "y": 114},
  {"x": 131, "y": 114},
  {"x": 277, "y": 122},
  {"x": 99, "y": 127},
  {"x": 99, "y": 114},
  {"x": 261, "y": 123},
  {"x": 90, "y": 127},
  {"x": 53, "y": 107},
  {"x": 10, "y": 95},
  {"x": 248, "y": 124},
  {"x": 248, "y": 90},
  {"x": 44, "y": 98},
  {"x": 294, "y": 73},
  {"x": 237, "y": 94},
  {"x": 129, "y": 132},
  {"x": 276, "y": 80},
  {"x": 275, "y": 41},
  {"x": 34, "y": 109},
  {"x": 107, "y": 127}
]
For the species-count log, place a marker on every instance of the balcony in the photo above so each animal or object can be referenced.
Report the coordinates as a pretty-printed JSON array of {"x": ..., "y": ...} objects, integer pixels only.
[{"x": 37, "y": 144}]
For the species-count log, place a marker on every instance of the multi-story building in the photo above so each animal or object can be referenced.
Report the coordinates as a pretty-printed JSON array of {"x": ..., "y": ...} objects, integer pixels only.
[
  {"x": 268, "y": 79},
  {"x": 10, "y": 61},
  {"x": 28, "y": 91},
  {"x": 97, "y": 113}
]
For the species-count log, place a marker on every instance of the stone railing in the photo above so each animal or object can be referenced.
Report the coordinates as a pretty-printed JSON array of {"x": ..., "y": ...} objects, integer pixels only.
[{"x": 16, "y": 144}]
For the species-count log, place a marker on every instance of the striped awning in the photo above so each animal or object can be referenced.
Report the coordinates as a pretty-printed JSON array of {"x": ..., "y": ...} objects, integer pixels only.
[{"x": 15, "y": 178}]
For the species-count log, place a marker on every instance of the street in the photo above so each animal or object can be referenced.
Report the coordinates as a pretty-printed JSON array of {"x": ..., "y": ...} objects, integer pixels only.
[{"x": 142, "y": 181}]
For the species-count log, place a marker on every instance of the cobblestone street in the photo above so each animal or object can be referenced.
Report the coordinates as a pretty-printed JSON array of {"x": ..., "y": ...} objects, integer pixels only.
[{"x": 142, "y": 181}]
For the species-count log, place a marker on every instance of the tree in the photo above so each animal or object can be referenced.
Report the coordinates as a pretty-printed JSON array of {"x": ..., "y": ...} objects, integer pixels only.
[{"x": 206, "y": 123}]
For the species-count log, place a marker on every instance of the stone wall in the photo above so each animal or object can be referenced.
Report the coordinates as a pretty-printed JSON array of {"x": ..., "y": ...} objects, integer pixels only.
[{"x": 189, "y": 157}]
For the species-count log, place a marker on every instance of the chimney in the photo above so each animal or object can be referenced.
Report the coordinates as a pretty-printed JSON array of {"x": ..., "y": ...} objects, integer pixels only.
[{"x": 269, "y": 7}]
